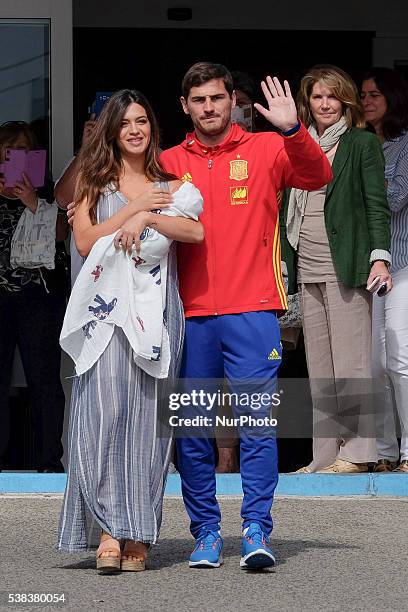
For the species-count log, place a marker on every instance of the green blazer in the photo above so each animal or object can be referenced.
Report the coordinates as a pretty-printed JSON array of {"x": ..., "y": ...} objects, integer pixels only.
[{"x": 356, "y": 211}]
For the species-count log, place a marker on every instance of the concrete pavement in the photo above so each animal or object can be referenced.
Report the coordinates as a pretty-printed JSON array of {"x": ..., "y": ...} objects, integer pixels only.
[{"x": 334, "y": 554}]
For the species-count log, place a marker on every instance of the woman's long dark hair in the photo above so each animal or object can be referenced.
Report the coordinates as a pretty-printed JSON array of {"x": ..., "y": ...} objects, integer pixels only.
[
  {"x": 394, "y": 88},
  {"x": 101, "y": 161}
]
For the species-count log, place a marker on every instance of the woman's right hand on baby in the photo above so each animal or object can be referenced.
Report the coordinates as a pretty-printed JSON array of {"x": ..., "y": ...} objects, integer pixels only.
[{"x": 152, "y": 198}]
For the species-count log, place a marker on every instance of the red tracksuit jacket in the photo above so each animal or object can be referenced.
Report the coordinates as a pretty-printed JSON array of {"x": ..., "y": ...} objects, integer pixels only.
[{"x": 237, "y": 268}]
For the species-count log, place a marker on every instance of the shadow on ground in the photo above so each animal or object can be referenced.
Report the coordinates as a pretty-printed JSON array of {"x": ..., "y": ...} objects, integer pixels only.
[{"x": 172, "y": 551}]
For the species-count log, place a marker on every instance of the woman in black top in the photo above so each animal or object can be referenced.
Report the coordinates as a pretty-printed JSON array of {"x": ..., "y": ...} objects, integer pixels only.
[{"x": 32, "y": 304}]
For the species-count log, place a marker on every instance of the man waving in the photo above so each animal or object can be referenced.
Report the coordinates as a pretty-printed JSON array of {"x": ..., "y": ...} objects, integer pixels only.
[{"x": 231, "y": 287}]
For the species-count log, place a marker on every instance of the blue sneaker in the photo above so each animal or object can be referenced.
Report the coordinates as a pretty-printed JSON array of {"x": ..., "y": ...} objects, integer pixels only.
[
  {"x": 256, "y": 550},
  {"x": 207, "y": 551}
]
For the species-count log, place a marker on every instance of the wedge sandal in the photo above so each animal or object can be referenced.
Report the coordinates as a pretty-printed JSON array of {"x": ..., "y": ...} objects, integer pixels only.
[
  {"x": 134, "y": 549},
  {"x": 108, "y": 564}
]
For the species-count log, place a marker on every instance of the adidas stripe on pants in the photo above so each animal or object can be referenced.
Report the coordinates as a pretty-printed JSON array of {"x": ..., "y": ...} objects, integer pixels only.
[{"x": 241, "y": 347}]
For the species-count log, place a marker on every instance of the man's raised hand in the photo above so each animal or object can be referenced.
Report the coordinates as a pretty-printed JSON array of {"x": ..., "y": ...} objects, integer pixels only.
[
  {"x": 88, "y": 129},
  {"x": 281, "y": 111}
]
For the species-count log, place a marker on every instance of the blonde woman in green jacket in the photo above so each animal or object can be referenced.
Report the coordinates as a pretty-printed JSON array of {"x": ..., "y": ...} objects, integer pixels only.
[{"x": 341, "y": 235}]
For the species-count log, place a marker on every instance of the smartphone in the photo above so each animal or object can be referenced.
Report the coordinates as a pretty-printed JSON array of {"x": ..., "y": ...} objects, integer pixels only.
[
  {"x": 32, "y": 163},
  {"x": 13, "y": 167},
  {"x": 101, "y": 97},
  {"x": 35, "y": 167},
  {"x": 381, "y": 291},
  {"x": 373, "y": 283}
]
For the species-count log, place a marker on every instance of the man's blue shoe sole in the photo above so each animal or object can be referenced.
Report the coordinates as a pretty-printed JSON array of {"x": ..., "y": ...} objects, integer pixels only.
[{"x": 257, "y": 560}]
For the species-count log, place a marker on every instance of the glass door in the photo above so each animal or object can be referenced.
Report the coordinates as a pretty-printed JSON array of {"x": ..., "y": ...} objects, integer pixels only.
[
  {"x": 25, "y": 75},
  {"x": 36, "y": 72},
  {"x": 35, "y": 87}
]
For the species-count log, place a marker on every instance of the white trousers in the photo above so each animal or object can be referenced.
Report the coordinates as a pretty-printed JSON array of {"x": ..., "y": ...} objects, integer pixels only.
[{"x": 390, "y": 364}]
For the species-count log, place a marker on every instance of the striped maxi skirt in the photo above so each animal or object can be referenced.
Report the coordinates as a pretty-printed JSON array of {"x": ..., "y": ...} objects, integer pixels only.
[{"x": 119, "y": 442}]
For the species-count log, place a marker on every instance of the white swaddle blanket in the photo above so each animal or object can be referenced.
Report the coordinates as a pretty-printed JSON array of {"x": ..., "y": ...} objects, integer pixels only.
[{"x": 114, "y": 288}]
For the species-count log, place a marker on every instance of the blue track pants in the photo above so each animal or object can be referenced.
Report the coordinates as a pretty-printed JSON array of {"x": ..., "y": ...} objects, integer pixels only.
[{"x": 240, "y": 347}]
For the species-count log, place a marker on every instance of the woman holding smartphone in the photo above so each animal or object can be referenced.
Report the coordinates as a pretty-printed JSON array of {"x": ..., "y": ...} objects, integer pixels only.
[
  {"x": 341, "y": 234},
  {"x": 119, "y": 445},
  {"x": 384, "y": 95},
  {"x": 32, "y": 304}
]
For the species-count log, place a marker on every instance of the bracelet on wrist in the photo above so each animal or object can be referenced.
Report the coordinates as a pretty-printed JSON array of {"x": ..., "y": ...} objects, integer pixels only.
[{"x": 292, "y": 131}]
